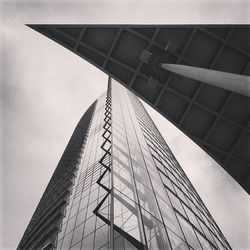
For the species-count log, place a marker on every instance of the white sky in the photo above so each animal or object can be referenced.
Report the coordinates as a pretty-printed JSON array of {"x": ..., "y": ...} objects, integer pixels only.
[{"x": 45, "y": 90}]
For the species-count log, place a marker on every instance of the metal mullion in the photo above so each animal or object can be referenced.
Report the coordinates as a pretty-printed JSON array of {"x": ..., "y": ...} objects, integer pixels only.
[
  {"x": 86, "y": 170},
  {"x": 194, "y": 228},
  {"x": 141, "y": 227},
  {"x": 139, "y": 145}
]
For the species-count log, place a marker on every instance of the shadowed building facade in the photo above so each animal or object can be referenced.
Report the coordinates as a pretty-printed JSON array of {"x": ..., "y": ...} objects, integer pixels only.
[{"x": 119, "y": 186}]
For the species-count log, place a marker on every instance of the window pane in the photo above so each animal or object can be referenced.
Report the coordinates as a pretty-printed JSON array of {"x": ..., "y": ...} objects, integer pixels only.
[
  {"x": 169, "y": 218},
  {"x": 189, "y": 233},
  {"x": 70, "y": 225},
  {"x": 176, "y": 242},
  {"x": 77, "y": 235}
]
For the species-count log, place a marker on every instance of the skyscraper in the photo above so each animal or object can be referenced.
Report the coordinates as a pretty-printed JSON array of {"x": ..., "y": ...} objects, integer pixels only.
[{"x": 119, "y": 186}]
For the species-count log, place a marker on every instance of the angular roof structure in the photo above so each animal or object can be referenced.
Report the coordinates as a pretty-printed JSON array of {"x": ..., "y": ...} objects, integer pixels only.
[{"x": 216, "y": 119}]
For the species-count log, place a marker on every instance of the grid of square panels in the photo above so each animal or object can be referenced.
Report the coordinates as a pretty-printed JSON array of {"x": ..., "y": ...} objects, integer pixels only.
[{"x": 205, "y": 113}]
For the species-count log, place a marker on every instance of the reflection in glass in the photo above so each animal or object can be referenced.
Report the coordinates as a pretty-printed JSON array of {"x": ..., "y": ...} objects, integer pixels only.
[{"x": 127, "y": 190}]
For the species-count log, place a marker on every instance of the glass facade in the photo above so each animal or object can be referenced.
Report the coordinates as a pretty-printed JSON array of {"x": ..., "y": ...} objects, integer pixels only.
[
  {"x": 44, "y": 225},
  {"x": 129, "y": 191}
]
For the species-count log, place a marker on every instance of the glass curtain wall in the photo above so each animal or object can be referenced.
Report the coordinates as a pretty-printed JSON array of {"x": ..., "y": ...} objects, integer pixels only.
[
  {"x": 81, "y": 228},
  {"x": 130, "y": 192},
  {"x": 153, "y": 199}
]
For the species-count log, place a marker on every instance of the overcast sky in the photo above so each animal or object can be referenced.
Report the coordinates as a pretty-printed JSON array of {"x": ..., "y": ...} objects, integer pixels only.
[{"x": 45, "y": 89}]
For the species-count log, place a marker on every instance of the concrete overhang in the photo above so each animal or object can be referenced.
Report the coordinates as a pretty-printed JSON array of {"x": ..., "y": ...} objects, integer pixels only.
[{"x": 215, "y": 118}]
